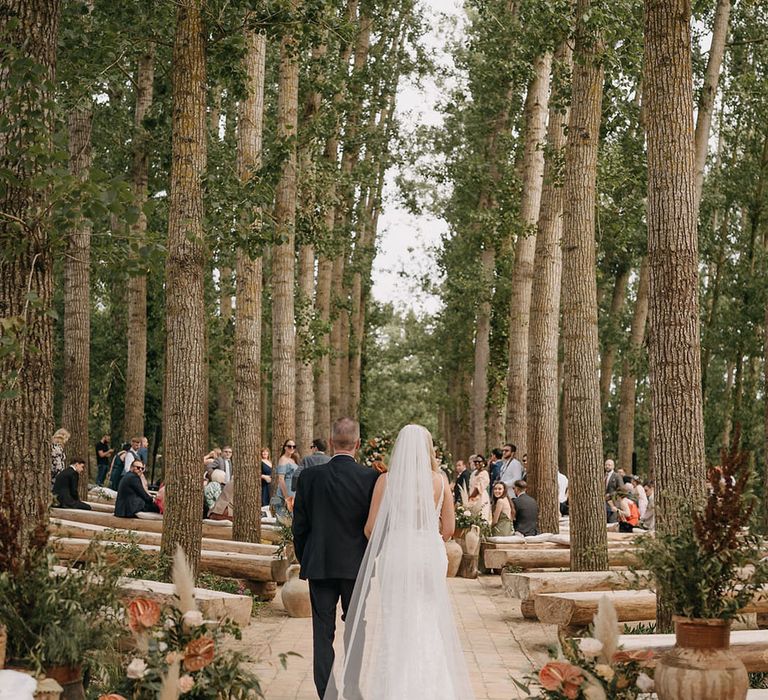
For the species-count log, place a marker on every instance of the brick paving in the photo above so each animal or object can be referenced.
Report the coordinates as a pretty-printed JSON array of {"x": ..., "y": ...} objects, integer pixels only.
[{"x": 498, "y": 643}]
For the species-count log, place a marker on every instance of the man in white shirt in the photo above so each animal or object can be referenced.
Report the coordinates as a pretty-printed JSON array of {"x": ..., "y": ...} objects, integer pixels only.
[
  {"x": 562, "y": 492},
  {"x": 131, "y": 454},
  {"x": 511, "y": 469}
]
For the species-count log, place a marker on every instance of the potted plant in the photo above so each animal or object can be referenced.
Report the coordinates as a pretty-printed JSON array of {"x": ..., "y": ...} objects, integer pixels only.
[
  {"x": 61, "y": 622},
  {"x": 709, "y": 570}
]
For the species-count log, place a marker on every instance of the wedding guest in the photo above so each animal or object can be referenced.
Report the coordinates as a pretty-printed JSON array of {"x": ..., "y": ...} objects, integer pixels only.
[
  {"x": 65, "y": 486},
  {"x": 625, "y": 508},
  {"x": 117, "y": 468},
  {"x": 462, "y": 480},
  {"x": 223, "y": 462},
  {"x": 132, "y": 497},
  {"x": 131, "y": 454},
  {"x": 562, "y": 492},
  {"x": 503, "y": 511},
  {"x": 526, "y": 510},
  {"x": 103, "y": 456},
  {"x": 315, "y": 458},
  {"x": 648, "y": 519},
  {"x": 266, "y": 476},
  {"x": 613, "y": 481},
  {"x": 213, "y": 488},
  {"x": 495, "y": 469},
  {"x": 642, "y": 497},
  {"x": 525, "y": 466},
  {"x": 285, "y": 467},
  {"x": 58, "y": 456},
  {"x": 479, "y": 500},
  {"x": 213, "y": 455},
  {"x": 511, "y": 468},
  {"x": 143, "y": 450},
  {"x": 224, "y": 508}
]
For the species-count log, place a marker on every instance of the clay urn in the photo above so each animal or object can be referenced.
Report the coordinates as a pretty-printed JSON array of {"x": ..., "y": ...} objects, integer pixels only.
[
  {"x": 701, "y": 664},
  {"x": 295, "y": 594},
  {"x": 472, "y": 541},
  {"x": 454, "y": 553}
]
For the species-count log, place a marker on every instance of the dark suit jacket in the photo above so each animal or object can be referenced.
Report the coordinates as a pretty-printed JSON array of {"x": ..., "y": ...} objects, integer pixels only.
[
  {"x": 526, "y": 515},
  {"x": 614, "y": 483},
  {"x": 329, "y": 515},
  {"x": 132, "y": 498},
  {"x": 220, "y": 463},
  {"x": 462, "y": 480},
  {"x": 315, "y": 460},
  {"x": 65, "y": 490}
]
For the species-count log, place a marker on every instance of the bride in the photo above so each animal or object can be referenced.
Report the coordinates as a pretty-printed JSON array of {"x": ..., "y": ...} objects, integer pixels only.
[{"x": 400, "y": 637}]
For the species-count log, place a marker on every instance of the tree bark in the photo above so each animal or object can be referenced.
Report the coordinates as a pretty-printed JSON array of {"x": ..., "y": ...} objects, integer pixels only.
[
  {"x": 77, "y": 300},
  {"x": 482, "y": 352},
  {"x": 543, "y": 383},
  {"x": 30, "y": 29},
  {"x": 709, "y": 92},
  {"x": 186, "y": 382},
  {"x": 323, "y": 305},
  {"x": 283, "y": 256},
  {"x": 677, "y": 426},
  {"x": 136, "y": 369},
  {"x": 305, "y": 395},
  {"x": 246, "y": 415},
  {"x": 579, "y": 292},
  {"x": 535, "y": 116},
  {"x": 224, "y": 388},
  {"x": 608, "y": 356},
  {"x": 628, "y": 388}
]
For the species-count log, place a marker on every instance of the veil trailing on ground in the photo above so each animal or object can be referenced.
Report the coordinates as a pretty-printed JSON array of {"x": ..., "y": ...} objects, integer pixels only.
[{"x": 400, "y": 638}]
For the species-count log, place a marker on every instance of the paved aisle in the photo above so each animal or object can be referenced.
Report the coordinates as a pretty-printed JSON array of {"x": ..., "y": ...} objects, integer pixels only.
[{"x": 495, "y": 639}]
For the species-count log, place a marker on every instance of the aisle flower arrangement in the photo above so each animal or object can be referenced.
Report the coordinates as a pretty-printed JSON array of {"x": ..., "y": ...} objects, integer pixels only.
[
  {"x": 179, "y": 654},
  {"x": 595, "y": 667},
  {"x": 376, "y": 450}
]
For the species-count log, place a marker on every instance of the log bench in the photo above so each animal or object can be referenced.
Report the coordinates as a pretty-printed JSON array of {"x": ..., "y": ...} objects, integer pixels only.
[
  {"x": 574, "y": 610},
  {"x": 230, "y": 564},
  {"x": 549, "y": 558},
  {"x": 68, "y": 528},
  {"x": 751, "y": 646}
]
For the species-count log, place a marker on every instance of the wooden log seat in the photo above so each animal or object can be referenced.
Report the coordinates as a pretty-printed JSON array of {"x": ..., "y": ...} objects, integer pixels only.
[
  {"x": 526, "y": 585},
  {"x": 554, "y": 558}
]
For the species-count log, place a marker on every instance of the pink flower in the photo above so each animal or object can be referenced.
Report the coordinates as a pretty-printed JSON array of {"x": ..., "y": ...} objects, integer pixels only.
[{"x": 186, "y": 683}]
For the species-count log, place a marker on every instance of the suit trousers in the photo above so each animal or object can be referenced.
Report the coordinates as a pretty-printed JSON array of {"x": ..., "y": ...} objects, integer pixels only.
[{"x": 324, "y": 595}]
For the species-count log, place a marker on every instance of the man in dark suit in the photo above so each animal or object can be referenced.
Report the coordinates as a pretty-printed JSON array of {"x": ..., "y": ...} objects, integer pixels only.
[
  {"x": 65, "y": 486},
  {"x": 526, "y": 511},
  {"x": 613, "y": 480},
  {"x": 132, "y": 497},
  {"x": 329, "y": 515},
  {"x": 223, "y": 462}
]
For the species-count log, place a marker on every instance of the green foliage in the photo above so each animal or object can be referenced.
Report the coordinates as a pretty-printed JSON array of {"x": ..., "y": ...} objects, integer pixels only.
[{"x": 62, "y": 617}]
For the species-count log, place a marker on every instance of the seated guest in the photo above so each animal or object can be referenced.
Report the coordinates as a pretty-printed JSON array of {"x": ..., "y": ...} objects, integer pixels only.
[
  {"x": 224, "y": 508},
  {"x": 65, "y": 486},
  {"x": 213, "y": 488},
  {"x": 132, "y": 497},
  {"x": 526, "y": 511},
  {"x": 625, "y": 508},
  {"x": 503, "y": 512},
  {"x": 648, "y": 519}
]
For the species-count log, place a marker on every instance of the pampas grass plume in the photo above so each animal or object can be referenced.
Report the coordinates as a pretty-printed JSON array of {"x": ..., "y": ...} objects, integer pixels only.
[
  {"x": 184, "y": 582},
  {"x": 169, "y": 690},
  {"x": 606, "y": 629}
]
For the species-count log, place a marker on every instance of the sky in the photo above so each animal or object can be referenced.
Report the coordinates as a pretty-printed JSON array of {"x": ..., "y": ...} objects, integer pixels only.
[{"x": 406, "y": 241}]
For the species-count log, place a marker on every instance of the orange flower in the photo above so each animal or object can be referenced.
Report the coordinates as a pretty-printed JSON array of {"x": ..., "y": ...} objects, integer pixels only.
[
  {"x": 143, "y": 614},
  {"x": 641, "y": 656},
  {"x": 199, "y": 653},
  {"x": 562, "y": 676},
  {"x": 379, "y": 466},
  {"x": 111, "y": 696}
]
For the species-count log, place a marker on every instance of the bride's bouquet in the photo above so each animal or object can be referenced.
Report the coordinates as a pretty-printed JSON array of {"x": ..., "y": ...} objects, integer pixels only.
[{"x": 595, "y": 667}]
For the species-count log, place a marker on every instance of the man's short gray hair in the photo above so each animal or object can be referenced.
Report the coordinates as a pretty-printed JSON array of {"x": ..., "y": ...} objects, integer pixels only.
[{"x": 345, "y": 433}]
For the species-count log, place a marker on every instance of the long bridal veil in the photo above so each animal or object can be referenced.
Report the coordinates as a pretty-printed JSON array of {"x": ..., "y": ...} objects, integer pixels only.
[{"x": 400, "y": 636}]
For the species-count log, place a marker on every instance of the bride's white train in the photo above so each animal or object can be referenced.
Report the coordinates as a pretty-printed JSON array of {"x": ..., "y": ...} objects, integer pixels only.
[{"x": 400, "y": 636}]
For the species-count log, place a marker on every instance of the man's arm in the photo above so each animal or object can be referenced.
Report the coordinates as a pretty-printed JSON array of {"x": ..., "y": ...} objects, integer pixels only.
[{"x": 301, "y": 526}]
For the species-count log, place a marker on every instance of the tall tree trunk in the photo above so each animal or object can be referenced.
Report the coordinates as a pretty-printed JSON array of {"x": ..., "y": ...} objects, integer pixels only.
[
  {"x": 677, "y": 426},
  {"x": 224, "y": 388},
  {"x": 305, "y": 393},
  {"x": 323, "y": 306},
  {"x": 136, "y": 370},
  {"x": 608, "y": 356},
  {"x": 535, "y": 116},
  {"x": 246, "y": 415},
  {"x": 26, "y": 275},
  {"x": 708, "y": 93},
  {"x": 186, "y": 381},
  {"x": 283, "y": 257},
  {"x": 543, "y": 383},
  {"x": 482, "y": 352},
  {"x": 628, "y": 388},
  {"x": 765, "y": 403},
  {"x": 584, "y": 438},
  {"x": 77, "y": 300}
]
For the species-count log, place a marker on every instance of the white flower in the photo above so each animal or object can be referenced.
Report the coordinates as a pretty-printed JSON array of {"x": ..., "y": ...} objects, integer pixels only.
[
  {"x": 169, "y": 623},
  {"x": 590, "y": 647},
  {"x": 192, "y": 618},
  {"x": 136, "y": 669},
  {"x": 186, "y": 683},
  {"x": 645, "y": 682},
  {"x": 162, "y": 646}
]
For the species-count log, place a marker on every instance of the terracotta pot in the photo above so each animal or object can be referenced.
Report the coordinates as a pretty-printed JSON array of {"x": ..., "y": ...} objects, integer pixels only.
[
  {"x": 454, "y": 553},
  {"x": 70, "y": 678},
  {"x": 295, "y": 594},
  {"x": 459, "y": 533},
  {"x": 701, "y": 665}
]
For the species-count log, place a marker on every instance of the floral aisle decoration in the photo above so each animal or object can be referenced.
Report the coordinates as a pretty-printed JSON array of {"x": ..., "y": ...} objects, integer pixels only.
[
  {"x": 594, "y": 667},
  {"x": 376, "y": 451},
  {"x": 179, "y": 654}
]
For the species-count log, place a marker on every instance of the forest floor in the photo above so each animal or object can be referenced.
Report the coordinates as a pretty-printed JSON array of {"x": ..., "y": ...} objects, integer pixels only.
[{"x": 498, "y": 643}]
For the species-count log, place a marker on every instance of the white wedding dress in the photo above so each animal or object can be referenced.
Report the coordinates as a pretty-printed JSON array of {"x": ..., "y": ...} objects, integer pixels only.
[{"x": 400, "y": 638}]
